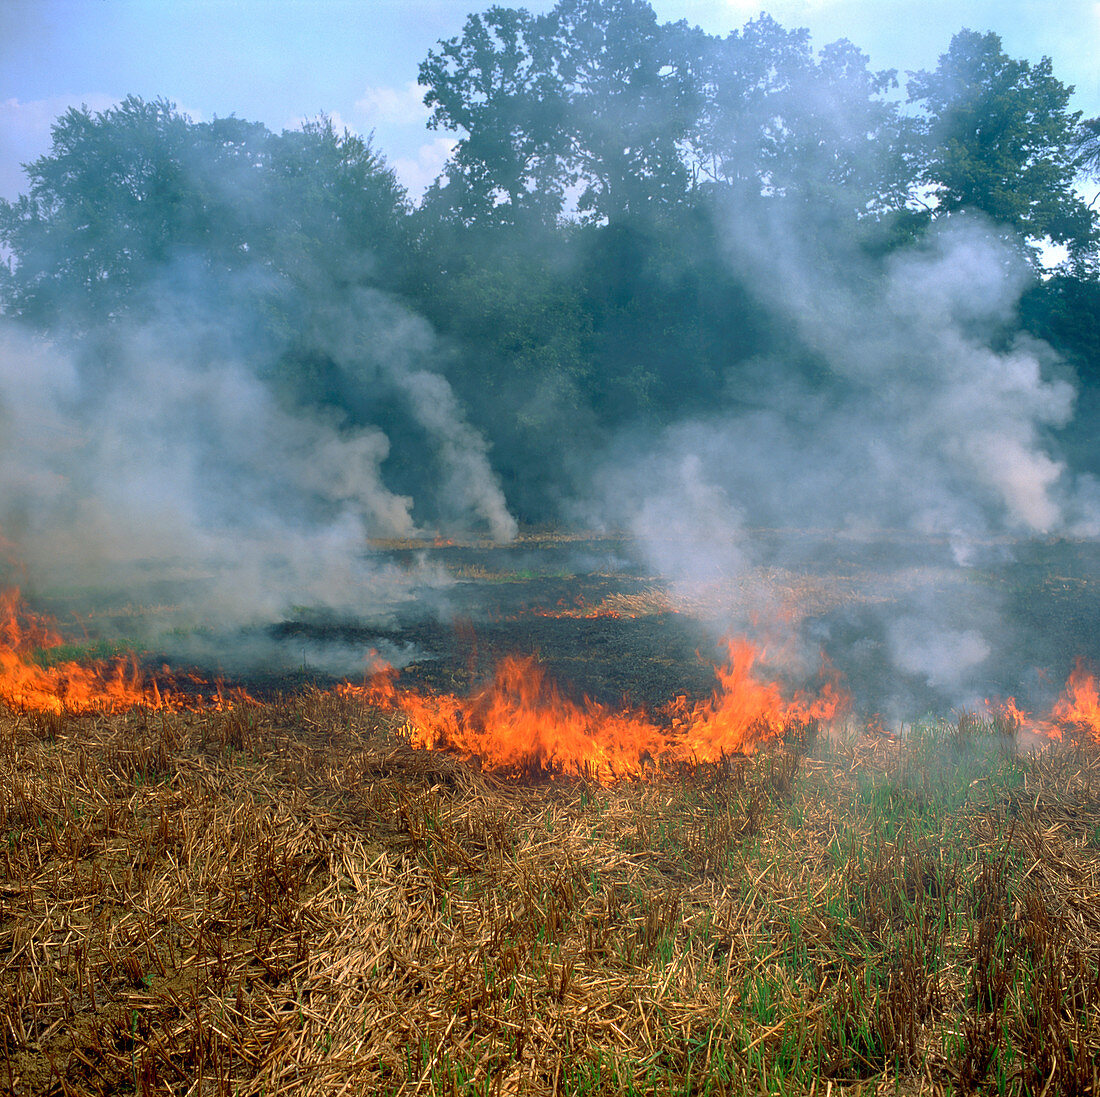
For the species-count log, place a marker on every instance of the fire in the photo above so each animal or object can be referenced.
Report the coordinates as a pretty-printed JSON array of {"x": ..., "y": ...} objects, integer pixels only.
[
  {"x": 745, "y": 710},
  {"x": 1027, "y": 726},
  {"x": 68, "y": 686},
  {"x": 521, "y": 721},
  {"x": 1079, "y": 704}
]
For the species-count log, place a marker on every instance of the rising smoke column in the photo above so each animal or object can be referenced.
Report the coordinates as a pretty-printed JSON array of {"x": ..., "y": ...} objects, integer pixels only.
[
  {"x": 377, "y": 343},
  {"x": 921, "y": 444},
  {"x": 160, "y": 452}
]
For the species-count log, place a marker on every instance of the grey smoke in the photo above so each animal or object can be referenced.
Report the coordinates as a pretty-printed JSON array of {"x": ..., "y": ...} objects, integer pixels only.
[
  {"x": 162, "y": 462},
  {"x": 375, "y": 340},
  {"x": 924, "y": 449},
  {"x": 262, "y": 654}
]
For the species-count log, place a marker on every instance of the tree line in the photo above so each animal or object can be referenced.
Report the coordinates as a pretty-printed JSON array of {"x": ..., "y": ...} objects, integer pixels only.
[{"x": 577, "y": 258}]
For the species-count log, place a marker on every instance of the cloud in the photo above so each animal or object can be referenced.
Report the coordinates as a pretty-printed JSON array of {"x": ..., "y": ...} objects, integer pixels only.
[
  {"x": 417, "y": 174},
  {"x": 394, "y": 106}
]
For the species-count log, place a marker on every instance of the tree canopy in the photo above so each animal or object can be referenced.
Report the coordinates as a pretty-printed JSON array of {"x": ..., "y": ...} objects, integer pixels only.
[
  {"x": 997, "y": 135},
  {"x": 582, "y": 260},
  {"x": 129, "y": 193}
]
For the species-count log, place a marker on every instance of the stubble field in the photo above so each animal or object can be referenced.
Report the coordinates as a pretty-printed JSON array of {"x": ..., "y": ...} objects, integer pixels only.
[{"x": 286, "y": 897}]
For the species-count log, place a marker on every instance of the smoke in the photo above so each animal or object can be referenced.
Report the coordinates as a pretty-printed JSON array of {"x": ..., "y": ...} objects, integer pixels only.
[
  {"x": 221, "y": 449},
  {"x": 904, "y": 445},
  {"x": 375, "y": 342},
  {"x": 160, "y": 461}
]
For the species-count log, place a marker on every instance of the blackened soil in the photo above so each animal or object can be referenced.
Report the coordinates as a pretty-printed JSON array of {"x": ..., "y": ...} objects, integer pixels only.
[
  {"x": 603, "y": 626},
  {"x": 644, "y": 660},
  {"x": 1035, "y": 605}
]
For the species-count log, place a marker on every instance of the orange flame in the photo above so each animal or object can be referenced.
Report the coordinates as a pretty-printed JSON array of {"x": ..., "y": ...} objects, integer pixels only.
[
  {"x": 745, "y": 711},
  {"x": 1026, "y": 726},
  {"x": 521, "y": 721},
  {"x": 67, "y": 686},
  {"x": 1079, "y": 704}
]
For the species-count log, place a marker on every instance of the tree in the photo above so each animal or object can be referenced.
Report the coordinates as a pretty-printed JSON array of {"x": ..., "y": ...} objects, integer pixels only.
[
  {"x": 595, "y": 95},
  {"x": 1087, "y": 147},
  {"x": 846, "y": 143},
  {"x": 997, "y": 135},
  {"x": 633, "y": 94},
  {"x": 336, "y": 209},
  {"x": 495, "y": 87},
  {"x": 105, "y": 204},
  {"x": 781, "y": 122},
  {"x": 131, "y": 195},
  {"x": 750, "y": 78}
]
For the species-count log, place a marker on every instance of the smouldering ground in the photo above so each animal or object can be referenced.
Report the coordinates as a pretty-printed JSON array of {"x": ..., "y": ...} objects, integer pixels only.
[
  {"x": 605, "y": 626},
  {"x": 288, "y": 899}
]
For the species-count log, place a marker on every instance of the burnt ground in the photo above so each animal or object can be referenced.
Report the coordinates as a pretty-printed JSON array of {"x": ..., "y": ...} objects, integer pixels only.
[
  {"x": 590, "y": 614},
  {"x": 645, "y": 660},
  {"x": 604, "y": 625}
]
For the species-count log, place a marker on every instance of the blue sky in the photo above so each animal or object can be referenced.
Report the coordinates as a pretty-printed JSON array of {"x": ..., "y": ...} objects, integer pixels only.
[{"x": 280, "y": 61}]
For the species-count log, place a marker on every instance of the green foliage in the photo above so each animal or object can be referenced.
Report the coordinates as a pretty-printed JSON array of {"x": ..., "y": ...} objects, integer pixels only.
[
  {"x": 106, "y": 206},
  {"x": 138, "y": 200},
  {"x": 1087, "y": 147},
  {"x": 780, "y": 122},
  {"x": 496, "y": 86},
  {"x": 574, "y": 257},
  {"x": 632, "y": 94},
  {"x": 998, "y": 136},
  {"x": 633, "y": 114}
]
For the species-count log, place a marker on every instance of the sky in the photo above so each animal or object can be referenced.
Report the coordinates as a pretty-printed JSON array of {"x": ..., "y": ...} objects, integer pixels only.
[{"x": 284, "y": 61}]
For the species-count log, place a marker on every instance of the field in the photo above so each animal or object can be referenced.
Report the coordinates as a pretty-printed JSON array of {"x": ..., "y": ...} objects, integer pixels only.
[{"x": 287, "y": 897}]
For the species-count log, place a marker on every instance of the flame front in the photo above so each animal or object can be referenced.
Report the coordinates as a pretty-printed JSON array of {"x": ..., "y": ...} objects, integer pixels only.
[
  {"x": 1079, "y": 704},
  {"x": 68, "y": 686},
  {"x": 1078, "y": 707},
  {"x": 522, "y": 721},
  {"x": 1016, "y": 717},
  {"x": 745, "y": 710}
]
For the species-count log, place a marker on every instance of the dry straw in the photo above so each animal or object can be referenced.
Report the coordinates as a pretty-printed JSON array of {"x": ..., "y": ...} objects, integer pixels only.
[{"x": 288, "y": 899}]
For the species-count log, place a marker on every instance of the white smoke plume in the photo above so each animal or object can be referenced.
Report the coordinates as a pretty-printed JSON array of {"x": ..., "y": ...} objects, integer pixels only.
[
  {"x": 167, "y": 467},
  {"x": 917, "y": 447}
]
